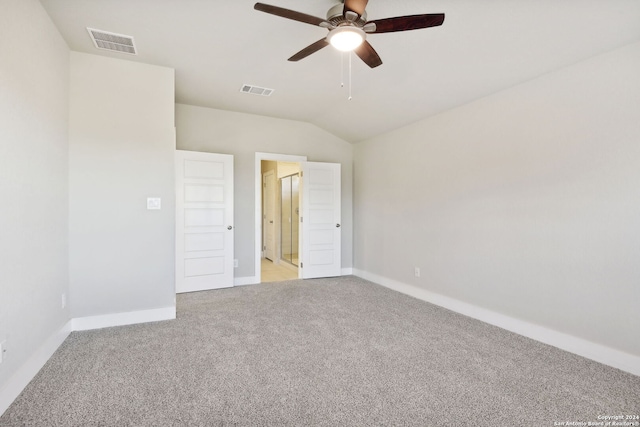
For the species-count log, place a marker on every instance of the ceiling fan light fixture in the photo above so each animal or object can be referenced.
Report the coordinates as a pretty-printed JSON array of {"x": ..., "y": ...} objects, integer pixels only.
[{"x": 346, "y": 38}]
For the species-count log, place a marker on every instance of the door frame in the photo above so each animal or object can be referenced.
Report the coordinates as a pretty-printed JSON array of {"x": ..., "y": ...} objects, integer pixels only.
[{"x": 258, "y": 201}]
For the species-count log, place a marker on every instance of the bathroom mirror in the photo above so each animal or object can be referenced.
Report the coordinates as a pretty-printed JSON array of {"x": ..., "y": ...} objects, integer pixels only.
[{"x": 290, "y": 218}]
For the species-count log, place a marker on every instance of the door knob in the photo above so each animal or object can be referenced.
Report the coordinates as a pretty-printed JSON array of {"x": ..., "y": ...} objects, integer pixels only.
[
  {"x": 338, "y": 225},
  {"x": 229, "y": 227}
]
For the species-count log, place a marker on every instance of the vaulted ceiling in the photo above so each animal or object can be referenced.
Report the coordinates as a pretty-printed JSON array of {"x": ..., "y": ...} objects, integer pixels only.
[{"x": 483, "y": 47}]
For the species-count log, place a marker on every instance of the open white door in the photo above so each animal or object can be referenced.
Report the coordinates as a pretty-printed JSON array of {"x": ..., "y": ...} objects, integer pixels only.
[
  {"x": 204, "y": 221},
  {"x": 320, "y": 220}
]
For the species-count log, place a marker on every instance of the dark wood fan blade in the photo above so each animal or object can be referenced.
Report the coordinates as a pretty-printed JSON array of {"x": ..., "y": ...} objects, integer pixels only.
[
  {"x": 309, "y": 50},
  {"x": 405, "y": 23},
  {"x": 366, "y": 52},
  {"x": 357, "y": 6},
  {"x": 289, "y": 14}
]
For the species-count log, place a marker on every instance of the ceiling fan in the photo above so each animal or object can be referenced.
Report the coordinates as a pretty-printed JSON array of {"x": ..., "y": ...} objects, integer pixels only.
[{"x": 348, "y": 27}]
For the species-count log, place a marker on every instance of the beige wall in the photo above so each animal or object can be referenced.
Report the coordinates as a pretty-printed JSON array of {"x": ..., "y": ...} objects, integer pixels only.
[
  {"x": 217, "y": 131},
  {"x": 525, "y": 203},
  {"x": 287, "y": 168},
  {"x": 122, "y": 145},
  {"x": 34, "y": 112}
]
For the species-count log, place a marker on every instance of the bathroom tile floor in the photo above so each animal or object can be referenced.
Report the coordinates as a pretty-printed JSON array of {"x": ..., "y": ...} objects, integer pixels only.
[{"x": 275, "y": 272}]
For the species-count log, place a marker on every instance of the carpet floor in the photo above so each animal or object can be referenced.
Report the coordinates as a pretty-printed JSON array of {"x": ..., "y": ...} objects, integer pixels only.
[{"x": 326, "y": 352}]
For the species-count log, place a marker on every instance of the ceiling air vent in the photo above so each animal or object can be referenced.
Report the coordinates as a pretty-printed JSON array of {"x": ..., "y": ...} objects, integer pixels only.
[
  {"x": 112, "y": 41},
  {"x": 255, "y": 90}
]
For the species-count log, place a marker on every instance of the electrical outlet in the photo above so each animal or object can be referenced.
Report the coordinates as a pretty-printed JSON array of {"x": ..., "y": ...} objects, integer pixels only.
[
  {"x": 417, "y": 271},
  {"x": 3, "y": 350},
  {"x": 64, "y": 300}
]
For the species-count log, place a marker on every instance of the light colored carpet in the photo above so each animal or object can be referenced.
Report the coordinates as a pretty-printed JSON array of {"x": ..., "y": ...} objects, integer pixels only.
[{"x": 328, "y": 352}]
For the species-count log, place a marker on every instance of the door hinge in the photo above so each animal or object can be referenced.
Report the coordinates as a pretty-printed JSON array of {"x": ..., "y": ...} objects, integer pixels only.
[
  {"x": 264, "y": 248},
  {"x": 301, "y": 219},
  {"x": 301, "y": 265},
  {"x": 301, "y": 174}
]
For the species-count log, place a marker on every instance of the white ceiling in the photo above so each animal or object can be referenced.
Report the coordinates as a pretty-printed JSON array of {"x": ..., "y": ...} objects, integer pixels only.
[{"x": 483, "y": 47}]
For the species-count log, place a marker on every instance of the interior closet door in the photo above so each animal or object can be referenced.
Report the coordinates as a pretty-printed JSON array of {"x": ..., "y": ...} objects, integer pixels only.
[
  {"x": 204, "y": 221},
  {"x": 320, "y": 220}
]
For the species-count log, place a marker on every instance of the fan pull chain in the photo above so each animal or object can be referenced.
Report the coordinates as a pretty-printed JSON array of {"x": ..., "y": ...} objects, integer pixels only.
[
  {"x": 342, "y": 72},
  {"x": 350, "y": 56},
  {"x": 341, "y": 69}
]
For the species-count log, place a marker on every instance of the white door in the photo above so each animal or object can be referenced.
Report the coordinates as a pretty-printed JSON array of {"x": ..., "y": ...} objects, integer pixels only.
[
  {"x": 320, "y": 220},
  {"x": 269, "y": 214},
  {"x": 204, "y": 221}
]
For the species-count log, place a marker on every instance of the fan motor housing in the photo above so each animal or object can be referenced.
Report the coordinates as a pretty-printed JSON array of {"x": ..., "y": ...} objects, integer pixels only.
[{"x": 336, "y": 17}]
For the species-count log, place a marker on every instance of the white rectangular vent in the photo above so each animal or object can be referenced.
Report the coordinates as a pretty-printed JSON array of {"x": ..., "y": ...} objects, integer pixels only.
[
  {"x": 255, "y": 90},
  {"x": 112, "y": 41}
]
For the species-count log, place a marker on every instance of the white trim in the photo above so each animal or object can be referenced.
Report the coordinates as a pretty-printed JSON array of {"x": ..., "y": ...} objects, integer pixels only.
[
  {"x": 32, "y": 366},
  {"x": 257, "y": 177},
  {"x": 244, "y": 281},
  {"x": 346, "y": 271},
  {"x": 121, "y": 319},
  {"x": 25, "y": 373},
  {"x": 600, "y": 353}
]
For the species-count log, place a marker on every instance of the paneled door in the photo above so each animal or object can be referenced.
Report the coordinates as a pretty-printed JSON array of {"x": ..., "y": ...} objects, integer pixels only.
[
  {"x": 320, "y": 220},
  {"x": 204, "y": 221}
]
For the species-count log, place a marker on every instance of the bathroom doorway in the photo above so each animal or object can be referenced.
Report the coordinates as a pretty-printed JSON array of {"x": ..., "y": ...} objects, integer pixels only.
[
  {"x": 280, "y": 220},
  {"x": 319, "y": 235}
]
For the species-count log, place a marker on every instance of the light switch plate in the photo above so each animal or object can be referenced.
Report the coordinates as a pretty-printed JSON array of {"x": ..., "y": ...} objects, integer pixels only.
[{"x": 154, "y": 203}]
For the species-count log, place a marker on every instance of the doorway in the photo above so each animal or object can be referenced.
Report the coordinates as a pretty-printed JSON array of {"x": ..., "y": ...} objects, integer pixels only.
[
  {"x": 320, "y": 212},
  {"x": 280, "y": 213},
  {"x": 270, "y": 266}
]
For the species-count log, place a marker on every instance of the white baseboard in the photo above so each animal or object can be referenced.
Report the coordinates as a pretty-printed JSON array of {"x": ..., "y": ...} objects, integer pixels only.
[
  {"x": 244, "y": 281},
  {"x": 600, "y": 353},
  {"x": 31, "y": 367},
  {"x": 346, "y": 271},
  {"x": 121, "y": 319}
]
